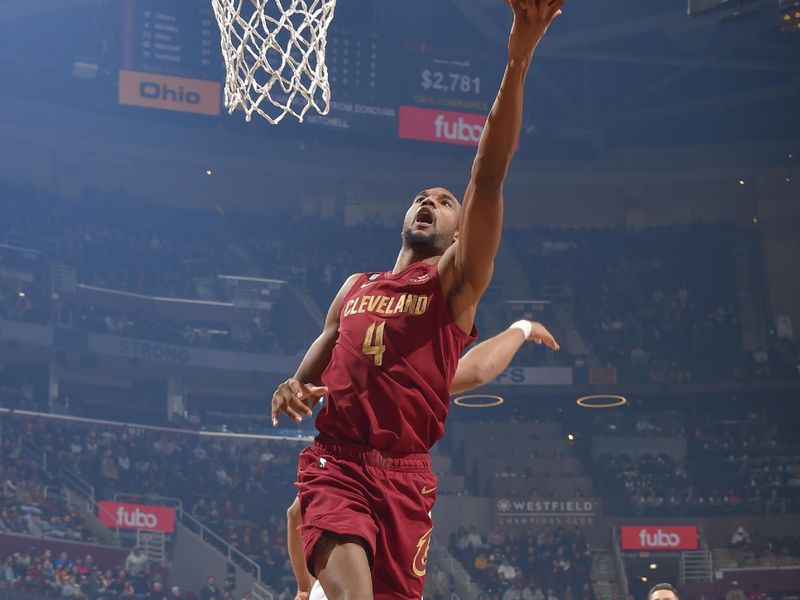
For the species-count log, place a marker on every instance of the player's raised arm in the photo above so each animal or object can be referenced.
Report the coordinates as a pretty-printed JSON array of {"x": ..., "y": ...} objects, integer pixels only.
[
  {"x": 488, "y": 359},
  {"x": 296, "y": 396},
  {"x": 482, "y": 212}
]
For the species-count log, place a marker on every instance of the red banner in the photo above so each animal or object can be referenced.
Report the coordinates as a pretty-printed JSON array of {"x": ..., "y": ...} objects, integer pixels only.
[
  {"x": 441, "y": 126},
  {"x": 660, "y": 537},
  {"x": 136, "y": 516}
]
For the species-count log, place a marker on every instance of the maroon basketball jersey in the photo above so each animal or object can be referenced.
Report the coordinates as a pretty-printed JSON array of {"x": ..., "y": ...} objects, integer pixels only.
[{"x": 397, "y": 352}]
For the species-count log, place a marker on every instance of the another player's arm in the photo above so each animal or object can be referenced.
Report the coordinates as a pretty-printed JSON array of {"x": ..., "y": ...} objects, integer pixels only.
[
  {"x": 488, "y": 359},
  {"x": 466, "y": 268},
  {"x": 296, "y": 396},
  {"x": 294, "y": 542}
]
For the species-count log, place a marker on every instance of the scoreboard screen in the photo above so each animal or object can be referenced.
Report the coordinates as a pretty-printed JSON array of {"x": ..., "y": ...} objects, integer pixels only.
[
  {"x": 383, "y": 82},
  {"x": 377, "y": 85},
  {"x": 179, "y": 37},
  {"x": 170, "y": 57},
  {"x": 449, "y": 78}
]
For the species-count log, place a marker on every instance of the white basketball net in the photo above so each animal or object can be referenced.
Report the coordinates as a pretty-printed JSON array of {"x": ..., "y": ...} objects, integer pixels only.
[{"x": 274, "y": 53}]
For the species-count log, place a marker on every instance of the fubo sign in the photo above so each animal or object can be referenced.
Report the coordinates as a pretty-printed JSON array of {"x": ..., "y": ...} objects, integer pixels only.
[
  {"x": 136, "y": 516},
  {"x": 441, "y": 126},
  {"x": 660, "y": 537}
]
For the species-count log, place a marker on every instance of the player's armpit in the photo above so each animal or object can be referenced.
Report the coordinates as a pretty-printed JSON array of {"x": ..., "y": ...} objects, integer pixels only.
[
  {"x": 297, "y": 395},
  {"x": 319, "y": 353}
]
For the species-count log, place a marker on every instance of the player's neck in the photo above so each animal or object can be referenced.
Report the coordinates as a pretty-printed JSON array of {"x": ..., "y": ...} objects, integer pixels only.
[{"x": 409, "y": 256}]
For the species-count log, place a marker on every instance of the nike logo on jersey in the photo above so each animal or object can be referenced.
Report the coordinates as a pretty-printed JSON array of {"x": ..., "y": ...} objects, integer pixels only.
[{"x": 426, "y": 490}]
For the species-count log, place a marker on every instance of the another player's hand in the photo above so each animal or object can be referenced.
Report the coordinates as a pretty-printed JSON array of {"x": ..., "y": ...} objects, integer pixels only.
[
  {"x": 301, "y": 596},
  {"x": 540, "y": 335},
  {"x": 295, "y": 399},
  {"x": 531, "y": 20}
]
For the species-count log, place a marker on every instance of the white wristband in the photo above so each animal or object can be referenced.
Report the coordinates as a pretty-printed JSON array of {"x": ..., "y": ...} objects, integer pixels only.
[{"x": 525, "y": 326}]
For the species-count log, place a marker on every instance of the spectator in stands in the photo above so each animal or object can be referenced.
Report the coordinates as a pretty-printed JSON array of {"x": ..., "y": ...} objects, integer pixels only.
[
  {"x": 735, "y": 593},
  {"x": 28, "y": 573},
  {"x": 506, "y": 571},
  {"x": 94, "y": 585},
  {"x": 156, "y": 591},
  {"x": 70, "y": 587},
  {"x": 118, "y": 584},
  {"x": 496, "y": 537},
  {"x": 107, "y": 583},
  {"x": 740, "y": 538},
  {"x": 35, "y": 525},
  {"x": 210, "y": 591},
  {"x": 514, "y": 592},
  {"x": 481, "y": 562},
  {"x": 441, "y": 584},
  {"x": 228, "y": 586},
  {"x": 128, "y": 593},
  {"x": 8, "y": 573},
  {"x": 141, "y": 583},
  {"x": 62, "y": 562},
  {"x": 474, "y": 539},
  {"x": 588, "y": 594},
  {"x": 175, "y": 593},
  {"x": 136, "y": 561}
]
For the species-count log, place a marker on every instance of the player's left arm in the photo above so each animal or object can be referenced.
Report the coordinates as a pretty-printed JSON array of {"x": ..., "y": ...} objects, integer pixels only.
[
  {"x": 466, "y": 267},
  {"x": 488, "y": 359},
  {"x": 294, "y": 542}
]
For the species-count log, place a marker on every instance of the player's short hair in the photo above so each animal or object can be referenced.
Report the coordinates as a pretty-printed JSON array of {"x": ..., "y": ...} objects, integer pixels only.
[{"x": 663, "y": 586}]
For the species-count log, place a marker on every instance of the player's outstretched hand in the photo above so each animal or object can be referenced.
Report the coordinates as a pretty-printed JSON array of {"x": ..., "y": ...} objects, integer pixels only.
[
  {"x": 540, "y": 335},
  {"x": 301, "y": 596},
  {"x": 531, "y": 20},
  {"x": 295, "y": 399}
]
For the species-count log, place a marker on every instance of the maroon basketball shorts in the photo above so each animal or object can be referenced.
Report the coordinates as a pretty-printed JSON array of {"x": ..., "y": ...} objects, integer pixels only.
[{"x": 381, "y": 497}]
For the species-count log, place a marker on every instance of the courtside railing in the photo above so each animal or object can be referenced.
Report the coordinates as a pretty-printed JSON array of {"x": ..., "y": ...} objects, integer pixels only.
[
  {"x": 213, "y": 539},
  {"x": 85, "y": 491},
  {"x": 73, "y": 483},
  {"x": 622, "y": 573},
  {"x": 463, "y": 585}
]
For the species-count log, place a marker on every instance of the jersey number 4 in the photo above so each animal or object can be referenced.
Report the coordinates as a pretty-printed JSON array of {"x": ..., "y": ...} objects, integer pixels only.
[{"x": 373, "y": 342}]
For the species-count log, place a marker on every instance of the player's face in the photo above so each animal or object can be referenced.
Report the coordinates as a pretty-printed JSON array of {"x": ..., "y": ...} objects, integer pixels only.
[
  {"x": 432, "y": 220},
  {"x": 663, "y": 595}
]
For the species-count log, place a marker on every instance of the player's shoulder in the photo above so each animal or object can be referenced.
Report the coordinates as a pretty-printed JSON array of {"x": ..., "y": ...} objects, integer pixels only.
[{"x": 348, "y": 286}]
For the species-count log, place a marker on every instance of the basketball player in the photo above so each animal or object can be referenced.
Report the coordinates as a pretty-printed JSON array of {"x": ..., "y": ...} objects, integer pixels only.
[
  {"x": 479, "y": 366},
  {"x": 663, "y": 591},
  {"x": 386, "y": 358}
]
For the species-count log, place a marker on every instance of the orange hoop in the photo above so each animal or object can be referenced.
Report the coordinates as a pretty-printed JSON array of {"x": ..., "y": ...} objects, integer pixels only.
[
  {"x": 493, "y": 401},
  {"x": 586, "y": 401}
]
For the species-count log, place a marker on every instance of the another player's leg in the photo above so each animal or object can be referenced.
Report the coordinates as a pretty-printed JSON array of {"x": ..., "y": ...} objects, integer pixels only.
[
  {"x": 342, "y": 566},
  {"x": 305, "y": 581},
  {"x": 317, "y": 593}
]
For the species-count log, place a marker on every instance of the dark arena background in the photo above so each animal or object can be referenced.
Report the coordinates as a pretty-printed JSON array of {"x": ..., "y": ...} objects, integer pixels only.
[{"x": 164, "y": 265}]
